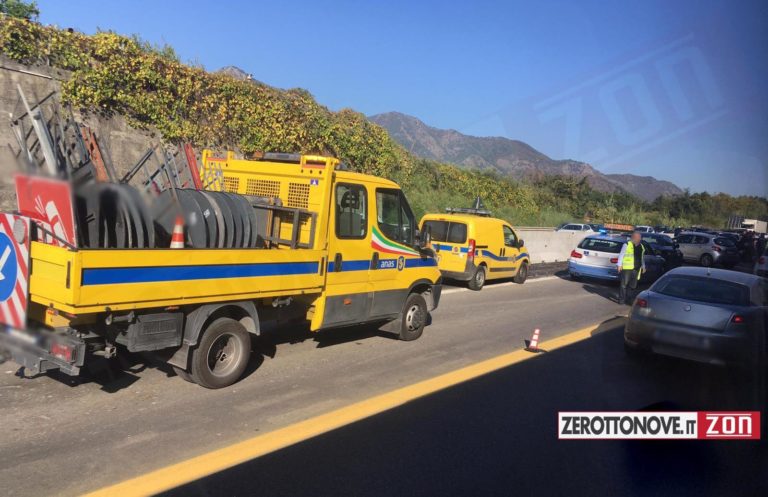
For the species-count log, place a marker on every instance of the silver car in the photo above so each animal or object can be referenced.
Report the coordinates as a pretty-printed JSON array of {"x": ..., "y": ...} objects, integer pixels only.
[
  {"x": 706, "y": 315},
  {"x": 708, "y": 249}
]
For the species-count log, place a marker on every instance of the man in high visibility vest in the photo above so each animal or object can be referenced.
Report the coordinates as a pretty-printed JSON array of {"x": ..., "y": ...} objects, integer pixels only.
[{"x": 631, "y": 266}]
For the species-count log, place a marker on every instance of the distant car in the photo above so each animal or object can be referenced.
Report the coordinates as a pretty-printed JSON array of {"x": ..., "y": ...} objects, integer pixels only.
[
  {"x": 575, "y": 227},
  {"x": 701, "y": 314},
  {"x": 598, "y": 228},
  {"x": 597, "y": 256},
  {"x": 761, "y": 266},
  {"x": 665, "y": 247},
  {"x": 644, "y": 229},
  {"x": 707, "y": 249}
]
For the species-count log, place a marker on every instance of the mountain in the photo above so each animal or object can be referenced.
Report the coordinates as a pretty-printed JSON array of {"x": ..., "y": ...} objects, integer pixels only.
[{"x": 509, "y": 157}]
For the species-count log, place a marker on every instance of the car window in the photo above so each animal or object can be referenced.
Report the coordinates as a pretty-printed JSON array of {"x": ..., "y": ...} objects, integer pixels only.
[
  {"x": 724, "y": 242},
  {"x": 351, "y": 211},
  {"x": 438, "y": 230},
  {"x": 393, "y": 215},
  {"x": 571, "y": 227},
  {"x": 510, "y": 239},
  {"x": 457, "y": 233},
  {"x": 600, "y": 245},
  {"x": 709, "y": 290},
  {"x": 684, "y": 239}
]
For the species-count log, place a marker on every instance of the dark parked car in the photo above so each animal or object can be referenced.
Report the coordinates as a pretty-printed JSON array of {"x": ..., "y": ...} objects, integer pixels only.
[
  {"x": 665, "y": 247},
  {"x": 701, "y": 314}
]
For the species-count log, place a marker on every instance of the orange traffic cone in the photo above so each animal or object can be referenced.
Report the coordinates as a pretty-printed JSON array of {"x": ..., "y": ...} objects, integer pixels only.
[
  {"x": 532, "y": 345},
  {"x": 177, "y": 239}
]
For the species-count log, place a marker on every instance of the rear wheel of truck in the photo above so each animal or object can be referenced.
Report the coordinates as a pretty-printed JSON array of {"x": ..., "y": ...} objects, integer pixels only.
[
  {"x": 222, "y": 354},
  {"x": 183, "y": 374},
  {"x": 414, "y": 317},
  {"x": 478, "y": 279},
  {"x": 522, "y": 273}
]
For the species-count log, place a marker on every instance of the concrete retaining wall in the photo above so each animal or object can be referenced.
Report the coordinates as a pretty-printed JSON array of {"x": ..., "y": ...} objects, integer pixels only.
[{"x": 548, "y": 245}]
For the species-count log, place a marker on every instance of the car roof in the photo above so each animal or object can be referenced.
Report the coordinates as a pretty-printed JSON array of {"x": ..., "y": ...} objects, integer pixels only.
[
  {"x": 463, "y": 218},
  {"x": 720, "y": 274}
]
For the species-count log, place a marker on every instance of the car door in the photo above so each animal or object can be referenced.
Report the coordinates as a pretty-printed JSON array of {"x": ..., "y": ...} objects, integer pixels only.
[
  {"x": 348, "y": 289},
  {"x": 511, "y": 250},
  {"x": 685, "y": 242}
]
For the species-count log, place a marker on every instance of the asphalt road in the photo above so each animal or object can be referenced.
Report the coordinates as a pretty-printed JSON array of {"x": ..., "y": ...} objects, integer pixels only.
[
  {"x": 65, "y": 437},
  {"x": 497, "y": 435}
]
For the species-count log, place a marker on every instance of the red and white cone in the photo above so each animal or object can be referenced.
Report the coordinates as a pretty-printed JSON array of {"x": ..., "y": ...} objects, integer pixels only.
[
  {"x": 177, "y": 239},
  {"x": 532, "y": 345}
]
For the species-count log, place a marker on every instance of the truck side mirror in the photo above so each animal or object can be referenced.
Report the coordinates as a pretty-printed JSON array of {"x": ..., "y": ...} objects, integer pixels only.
[
  {"x": 520, "y": 243},
  {"x": 425, "y": 238}
]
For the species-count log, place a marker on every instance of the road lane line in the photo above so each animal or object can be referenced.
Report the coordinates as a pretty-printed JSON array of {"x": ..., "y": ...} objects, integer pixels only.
[
  {"x": 491, "y": 286},
  {"x": 220, "y": 459}
]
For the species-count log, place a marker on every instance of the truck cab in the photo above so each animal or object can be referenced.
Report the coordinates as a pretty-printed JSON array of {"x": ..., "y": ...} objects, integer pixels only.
[{"x": 474, "y": 247}]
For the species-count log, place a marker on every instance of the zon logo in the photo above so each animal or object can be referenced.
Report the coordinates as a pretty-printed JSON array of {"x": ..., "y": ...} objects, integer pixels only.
[{"x": 729, "y": 425}]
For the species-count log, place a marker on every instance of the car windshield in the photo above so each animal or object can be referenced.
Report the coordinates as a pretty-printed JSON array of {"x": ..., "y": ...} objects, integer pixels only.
[
  {"x": 700, "y": 289},
  {"x": 601, "y": 245},
  {"x": 664, "y": 241}
]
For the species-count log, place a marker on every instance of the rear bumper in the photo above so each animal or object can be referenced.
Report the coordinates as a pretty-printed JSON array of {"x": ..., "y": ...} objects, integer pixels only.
[
  {"x": 710, "y": 347},
  {"x": 721, "y": 258},
  {"x": 601, "y": 272},
  {"x": 31, "y": 350}
]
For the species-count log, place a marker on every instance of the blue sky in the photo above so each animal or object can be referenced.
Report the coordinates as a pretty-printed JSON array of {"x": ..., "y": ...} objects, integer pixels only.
[{"x": 672, "y": 89}]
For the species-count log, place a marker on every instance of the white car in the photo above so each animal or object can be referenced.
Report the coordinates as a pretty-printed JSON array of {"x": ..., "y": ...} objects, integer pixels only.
[
  {"x": 761, "y": 266},
  {"x": 645, "y": 229},
  {"x": 570, "y": 227}
]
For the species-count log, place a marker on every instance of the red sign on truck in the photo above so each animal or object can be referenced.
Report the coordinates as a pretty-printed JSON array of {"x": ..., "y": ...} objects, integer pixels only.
[{"x": 49, "y": 202}]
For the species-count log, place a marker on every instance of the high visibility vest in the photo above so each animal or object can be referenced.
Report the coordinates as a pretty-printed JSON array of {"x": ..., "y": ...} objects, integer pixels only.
[{"x": 628, "y": 262}]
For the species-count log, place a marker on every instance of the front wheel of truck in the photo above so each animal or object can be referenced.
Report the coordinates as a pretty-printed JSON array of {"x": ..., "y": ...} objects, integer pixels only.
[
  {"x": 414, "y": 317},
  {"x": 222, "y": 354}
]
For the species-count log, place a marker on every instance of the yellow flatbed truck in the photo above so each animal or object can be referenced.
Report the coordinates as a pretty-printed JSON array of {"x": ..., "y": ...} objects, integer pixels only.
[{"x": 341, "y": 246}]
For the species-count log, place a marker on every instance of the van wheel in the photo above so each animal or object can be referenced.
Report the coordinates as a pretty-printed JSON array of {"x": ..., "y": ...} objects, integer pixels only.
[
  {"x": 183, "y": 374},
  {"x": 522, "y": 273},
  {"x": 706, "y": 260},
  {"x": 414, "y": 317},
  {"x": 478, "y": 279},
  {"x": 222, "y": 355}
]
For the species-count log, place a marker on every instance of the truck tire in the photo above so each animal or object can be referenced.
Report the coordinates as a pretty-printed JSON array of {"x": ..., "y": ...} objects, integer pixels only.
[
  {"x": 414, "y": 317},
  {"x": 222, "y": 355},
  {"x": 478, "y": 279},
  {"x": 522, "y": 273}
]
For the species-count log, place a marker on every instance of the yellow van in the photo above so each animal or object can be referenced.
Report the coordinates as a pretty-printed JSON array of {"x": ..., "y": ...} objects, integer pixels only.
[{"x": 471, "y": 246}]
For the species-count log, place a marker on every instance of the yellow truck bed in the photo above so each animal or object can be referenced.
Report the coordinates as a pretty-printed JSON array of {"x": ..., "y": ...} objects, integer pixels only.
[{"x": 88, "y": 281}]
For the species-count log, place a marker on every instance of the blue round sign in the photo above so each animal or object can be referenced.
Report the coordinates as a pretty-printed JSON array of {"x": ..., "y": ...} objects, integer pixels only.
[{"x": 8, "y": 267}]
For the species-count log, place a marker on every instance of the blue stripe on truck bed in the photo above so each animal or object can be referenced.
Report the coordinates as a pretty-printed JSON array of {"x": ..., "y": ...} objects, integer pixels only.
[{"x": 112, "y": 276}]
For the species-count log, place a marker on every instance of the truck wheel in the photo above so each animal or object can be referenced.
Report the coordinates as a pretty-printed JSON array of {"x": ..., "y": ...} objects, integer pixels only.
[
  {"x": 522, "y": 273},
  {"x": 478, "y": 279},
  {"x": 414, "y": 317},
  {"x": 222, "y": 354},
  {"x": 706, "y": 260},
  {"x": 184, "y": 375}
]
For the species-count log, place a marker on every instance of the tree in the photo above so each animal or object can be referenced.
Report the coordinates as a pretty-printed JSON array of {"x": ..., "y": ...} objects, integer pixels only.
[{"x": 20, "y": 9}]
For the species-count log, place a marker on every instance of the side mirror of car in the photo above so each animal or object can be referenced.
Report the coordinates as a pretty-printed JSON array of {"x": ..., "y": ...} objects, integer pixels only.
[
  {"x": 424, "y": 239},
  {"x": 677, "y": 245},
  {"x": 520, "y": 243}
]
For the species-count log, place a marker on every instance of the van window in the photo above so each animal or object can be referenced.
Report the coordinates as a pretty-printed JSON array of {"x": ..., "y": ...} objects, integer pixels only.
[
  {"x": 351, "y": 211},
  {"x": 601, "y": 245},
  {"x": 445, "y": 231},
  {"x": 394, "y": 216},
  {"x": 510, "y": 239}
]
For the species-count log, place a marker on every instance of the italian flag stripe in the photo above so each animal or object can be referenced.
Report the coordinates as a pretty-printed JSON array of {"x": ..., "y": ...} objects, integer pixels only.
[{"x": 380, "y": 243}]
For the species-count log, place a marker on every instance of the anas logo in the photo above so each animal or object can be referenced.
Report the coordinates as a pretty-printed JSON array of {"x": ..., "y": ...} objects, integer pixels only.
[{"x": 400, "y": 263}]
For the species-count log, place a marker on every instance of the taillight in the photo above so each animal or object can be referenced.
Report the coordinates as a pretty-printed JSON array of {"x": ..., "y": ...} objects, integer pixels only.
[
  {"x": 576, "y": 255},
  {"x": 715, "y": 248},
  {"x": 61, "y": 351},
  {"x": 614, "y": 260},
  {"x": 641, "y": 302},
  {"x": 737, "y": 319},
  {"x": 471, "y": 250}
]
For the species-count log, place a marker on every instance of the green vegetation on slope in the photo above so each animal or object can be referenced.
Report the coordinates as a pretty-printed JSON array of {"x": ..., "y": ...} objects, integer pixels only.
[{"x": 152, "y": 88}]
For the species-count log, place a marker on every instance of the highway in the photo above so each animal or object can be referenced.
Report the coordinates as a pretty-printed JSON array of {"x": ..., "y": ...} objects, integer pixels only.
[{"x": 65, "y": 437}]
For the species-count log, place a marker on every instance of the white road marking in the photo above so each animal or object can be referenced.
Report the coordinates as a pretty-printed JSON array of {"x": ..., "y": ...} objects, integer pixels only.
[{"x": 500, "y": 285}]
